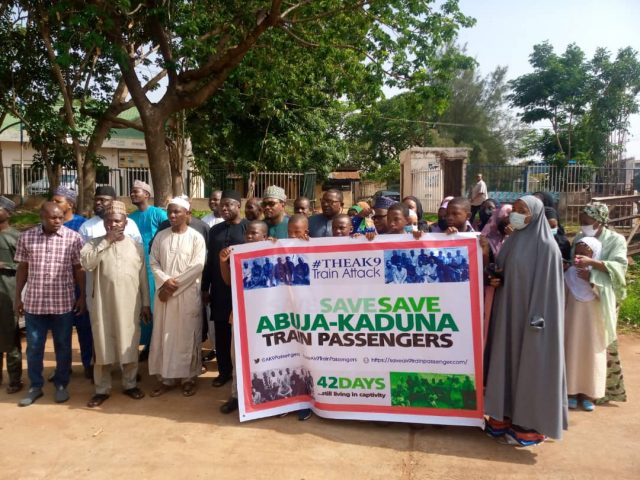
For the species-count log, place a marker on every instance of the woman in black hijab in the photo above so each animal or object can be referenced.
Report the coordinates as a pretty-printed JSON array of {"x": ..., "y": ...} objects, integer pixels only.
[
  {"x": 560, "y": 238},
  {"x": 413, "y": 203},
  {"x": 549, "y": 201}
]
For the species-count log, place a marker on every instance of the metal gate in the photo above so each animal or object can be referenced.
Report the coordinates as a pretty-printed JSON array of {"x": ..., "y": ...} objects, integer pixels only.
[{"x": 427, "y": 186}]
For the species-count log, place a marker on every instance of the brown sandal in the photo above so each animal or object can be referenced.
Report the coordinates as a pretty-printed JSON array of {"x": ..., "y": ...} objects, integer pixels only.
[
  {"x": 161, "y": 390},
  {"x": 189, "y": 389},
  {"x": 97, "y": 400}
]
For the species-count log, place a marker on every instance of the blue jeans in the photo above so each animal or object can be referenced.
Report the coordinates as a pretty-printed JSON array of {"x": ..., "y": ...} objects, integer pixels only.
[
  {"x": 85, "y": 338},
  {"x": 37, "y": 328}
]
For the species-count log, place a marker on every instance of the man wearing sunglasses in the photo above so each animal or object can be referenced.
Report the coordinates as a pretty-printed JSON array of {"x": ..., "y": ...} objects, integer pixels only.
[
  {"x": 320, "y": 225},
  {"x": 273, "y": 204}
]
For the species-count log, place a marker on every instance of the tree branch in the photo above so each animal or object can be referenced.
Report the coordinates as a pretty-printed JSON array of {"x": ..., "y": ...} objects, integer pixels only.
[
  {"x": 124, "y": 123},
  {"x": 161, "y": 37},
  {"x": 233, "y": 55}
]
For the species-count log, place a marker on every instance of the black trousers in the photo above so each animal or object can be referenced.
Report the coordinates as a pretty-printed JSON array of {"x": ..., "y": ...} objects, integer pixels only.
[{"x": 223, "y": 347}]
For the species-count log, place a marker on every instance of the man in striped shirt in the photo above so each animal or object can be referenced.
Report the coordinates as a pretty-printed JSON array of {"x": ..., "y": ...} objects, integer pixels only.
[{"x": 48, "y": 257}]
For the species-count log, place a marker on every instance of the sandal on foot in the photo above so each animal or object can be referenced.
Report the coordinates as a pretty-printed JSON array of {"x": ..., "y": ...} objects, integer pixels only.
[
  {"x": 134, "y": 393},
  {"x": 97, "y": 400},
  {"x": 588, "y": 405},
  {"x": 161, "y": 390},
  {"x": 189, "y": 389},
  {"x": 573, "y": 403}
]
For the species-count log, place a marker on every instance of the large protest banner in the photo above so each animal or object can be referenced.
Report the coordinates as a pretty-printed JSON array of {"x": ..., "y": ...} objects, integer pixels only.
[{"x": 383, "y": 330}]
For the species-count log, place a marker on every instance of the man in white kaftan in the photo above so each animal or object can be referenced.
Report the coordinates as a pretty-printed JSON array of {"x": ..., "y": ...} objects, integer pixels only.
[{"x": 177, "y": 259}]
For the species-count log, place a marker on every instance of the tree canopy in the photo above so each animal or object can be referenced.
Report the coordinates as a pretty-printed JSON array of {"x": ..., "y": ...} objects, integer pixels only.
[{"x": 585, "y": 103}]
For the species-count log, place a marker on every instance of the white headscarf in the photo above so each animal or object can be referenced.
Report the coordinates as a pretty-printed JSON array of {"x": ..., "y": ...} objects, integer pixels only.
[{"x": 580, "y": 288}]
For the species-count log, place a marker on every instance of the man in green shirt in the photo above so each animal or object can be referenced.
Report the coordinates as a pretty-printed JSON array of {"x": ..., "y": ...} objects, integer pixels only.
[{"x": 273, "y": 203}]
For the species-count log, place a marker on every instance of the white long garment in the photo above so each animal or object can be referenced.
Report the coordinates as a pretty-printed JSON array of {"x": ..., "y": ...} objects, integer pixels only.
[
  {"x": 212, "y": 220},
  {"x": 121, "y": 288},
  {"x": 177, "y": 323},
  {"x": 94, "y": 228}
]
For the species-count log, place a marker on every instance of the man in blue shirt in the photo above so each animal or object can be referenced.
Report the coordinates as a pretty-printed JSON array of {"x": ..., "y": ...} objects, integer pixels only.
[
  {"x": 320, "y": 225},
  {"x": 148, "y": 218},
  {"x": 66, "y": 200}
]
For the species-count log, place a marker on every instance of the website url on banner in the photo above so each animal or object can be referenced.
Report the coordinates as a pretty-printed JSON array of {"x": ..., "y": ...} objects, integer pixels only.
[
  {"x": 280, "y": 357},
  {"x": 322, "y": 358},
  {"x": 425, "y": 361}
]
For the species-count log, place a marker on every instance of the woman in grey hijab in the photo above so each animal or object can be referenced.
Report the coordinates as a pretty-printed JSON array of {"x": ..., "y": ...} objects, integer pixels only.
[{"x": 526, "y": 394}]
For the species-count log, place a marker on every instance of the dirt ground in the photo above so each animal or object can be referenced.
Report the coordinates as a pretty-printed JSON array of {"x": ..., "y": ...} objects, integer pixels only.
[{"x": 172, "y": 436}]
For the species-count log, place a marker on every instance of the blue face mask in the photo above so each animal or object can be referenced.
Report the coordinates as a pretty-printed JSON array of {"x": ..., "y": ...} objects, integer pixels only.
[
  {"x": 554, "y": 231},
  {"x": 517, "y": 220}
]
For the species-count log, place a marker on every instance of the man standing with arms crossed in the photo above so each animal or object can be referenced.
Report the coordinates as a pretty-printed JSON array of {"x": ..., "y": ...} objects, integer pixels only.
[{"x": 478, "y": 195}]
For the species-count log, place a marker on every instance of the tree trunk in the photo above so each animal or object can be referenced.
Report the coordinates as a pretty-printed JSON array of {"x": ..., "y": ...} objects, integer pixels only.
[
  {"x": 53, "y": 172},
  {"x": 1, "y": 172},
  {"x": 159, "y": 164},
  {"x": 100, "y": 132},
  {"x": 77, "y": 153},
  {"x": 177, "y": 184}
]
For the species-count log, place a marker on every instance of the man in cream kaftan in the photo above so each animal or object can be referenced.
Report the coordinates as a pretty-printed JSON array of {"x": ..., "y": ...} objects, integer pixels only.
[
  {"x": 177, "y": 259},
  {"x": 120, "y": 296}
]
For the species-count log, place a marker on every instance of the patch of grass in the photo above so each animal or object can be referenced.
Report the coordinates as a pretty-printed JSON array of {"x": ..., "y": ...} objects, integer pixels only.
[
  {"x": 24, "y": 219},
  {"x": 629, "y": 315}
]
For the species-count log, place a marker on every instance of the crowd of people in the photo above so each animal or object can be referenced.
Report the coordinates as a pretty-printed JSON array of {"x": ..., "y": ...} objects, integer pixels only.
[{"x": 153, "y": 284}]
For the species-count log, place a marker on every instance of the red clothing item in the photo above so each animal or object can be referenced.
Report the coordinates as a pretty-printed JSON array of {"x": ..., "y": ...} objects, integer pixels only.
[{"x": 51, "y": 258}]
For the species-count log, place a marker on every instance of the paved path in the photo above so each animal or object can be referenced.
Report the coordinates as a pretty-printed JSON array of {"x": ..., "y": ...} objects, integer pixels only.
[{"x": 177, "y": 437}]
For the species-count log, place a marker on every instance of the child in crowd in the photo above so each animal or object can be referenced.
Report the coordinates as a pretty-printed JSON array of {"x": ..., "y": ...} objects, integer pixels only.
[
  {"x": 584, "y": 336},
  {"x": 441, "y": 225},
  {"x": 341, "y": 226},
  {"x": 458, "y": 215},
  {"x": 413, "y": 220},
  {"x": 298, "y": 227},
  {"x": 397, "y": 218},
  {"x": 256, "y": 231}
]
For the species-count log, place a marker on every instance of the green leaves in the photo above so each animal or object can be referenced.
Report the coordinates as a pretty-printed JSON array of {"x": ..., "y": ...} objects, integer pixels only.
[{"x": 585, "y": 103}]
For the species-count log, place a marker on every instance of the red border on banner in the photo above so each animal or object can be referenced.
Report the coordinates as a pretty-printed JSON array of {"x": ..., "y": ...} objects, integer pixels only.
[{"x": 476, "y": 320}]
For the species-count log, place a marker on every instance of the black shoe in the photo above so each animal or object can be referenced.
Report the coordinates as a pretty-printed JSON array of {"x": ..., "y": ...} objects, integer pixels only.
[
  {"x": 209, "y": 356},
  {"x": 229, "y": 406},
  {"x": 143, "y": 356},
  {"x": 304, "y": 414},
  {"x": 220, "y": 380}
]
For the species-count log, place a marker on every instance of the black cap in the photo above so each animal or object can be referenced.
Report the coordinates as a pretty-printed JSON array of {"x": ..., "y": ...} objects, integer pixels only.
[
  {"x": 232, "y": 194},
  {"x": 106, "y": 191}
]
